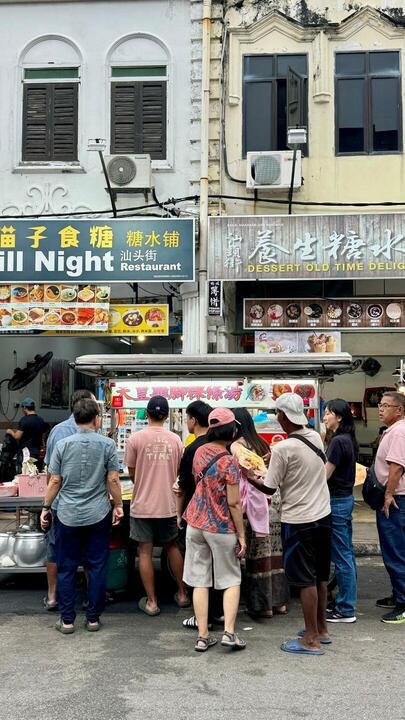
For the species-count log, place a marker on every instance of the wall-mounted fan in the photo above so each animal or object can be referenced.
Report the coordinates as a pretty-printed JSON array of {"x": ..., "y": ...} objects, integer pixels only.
[{"x": 24, "y": 376}]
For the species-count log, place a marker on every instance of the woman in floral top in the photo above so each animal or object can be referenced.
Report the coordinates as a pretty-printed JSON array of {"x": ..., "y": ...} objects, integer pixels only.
[{"x": 215, "y": 540}]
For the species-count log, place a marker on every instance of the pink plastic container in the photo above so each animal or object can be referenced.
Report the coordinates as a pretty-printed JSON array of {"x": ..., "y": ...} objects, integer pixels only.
[{"x": 31, "y": 486}]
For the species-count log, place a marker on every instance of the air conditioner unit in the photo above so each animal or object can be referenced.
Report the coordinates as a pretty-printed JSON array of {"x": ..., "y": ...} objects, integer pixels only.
[
  {"x": 272, "y": 170},
  {"x": 129, "y": 171}
]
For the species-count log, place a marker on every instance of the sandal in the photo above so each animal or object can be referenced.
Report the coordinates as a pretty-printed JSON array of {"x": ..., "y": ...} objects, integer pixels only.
[
  {"x": 234, "y": 641},
  {"x": 92, "y": 626},
  {"x": 280, "y": 610},
  {"x": 182, "y": 603},
  {"x": 191, "y": 623},
  {"x": 144, "y": 607},
  {"x": 49, "y": 605},
  {"x": 60, "y": 627},
  {"x": 204, "y": 643}
]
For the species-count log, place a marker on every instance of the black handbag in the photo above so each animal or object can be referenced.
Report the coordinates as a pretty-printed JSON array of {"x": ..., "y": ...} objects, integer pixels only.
[{"x": 373, "y": 492}]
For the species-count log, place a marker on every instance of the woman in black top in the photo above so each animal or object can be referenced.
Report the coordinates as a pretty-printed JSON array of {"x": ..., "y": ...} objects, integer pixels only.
[{"x": 341, "y": 471}]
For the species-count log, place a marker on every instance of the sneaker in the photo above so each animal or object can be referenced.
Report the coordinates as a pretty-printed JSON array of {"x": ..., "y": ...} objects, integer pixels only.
[
  {"x": 337, "y": 617},
  {"x": 387, "y": 602},
  {"x": 396, "y": 617},
  {"x": 191, "y": 623}
]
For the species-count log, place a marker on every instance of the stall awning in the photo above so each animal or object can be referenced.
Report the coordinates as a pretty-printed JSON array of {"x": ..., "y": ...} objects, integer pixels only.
[{"x": 219, "y": 365}]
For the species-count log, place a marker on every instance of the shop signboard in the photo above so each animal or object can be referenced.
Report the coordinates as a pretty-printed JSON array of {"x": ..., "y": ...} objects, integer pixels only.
[
  {"x": 282, "y": 342},
  {"x": 95, "y": 251},
  {"x": 215, "y": 298},
  {"x": 138, "y": 320},
  {"x": 307, "y": 247},
  {"x": 133, "y": 394},
  {"x": 345, "y": 314},
  {"x": 52, "y": 307}
]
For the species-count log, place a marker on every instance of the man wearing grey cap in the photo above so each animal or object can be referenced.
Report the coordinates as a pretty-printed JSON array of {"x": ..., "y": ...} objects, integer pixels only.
[
  {"x": 297, "y": 468},
  {"x": 30, "y": 431}
]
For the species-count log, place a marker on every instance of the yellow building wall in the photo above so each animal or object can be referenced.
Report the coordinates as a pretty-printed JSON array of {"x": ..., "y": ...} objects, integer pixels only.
[{"x": 326, "y": 177}]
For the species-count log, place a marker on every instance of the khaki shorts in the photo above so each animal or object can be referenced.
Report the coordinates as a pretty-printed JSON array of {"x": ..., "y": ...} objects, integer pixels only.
[{"x": 207, "y": 552}]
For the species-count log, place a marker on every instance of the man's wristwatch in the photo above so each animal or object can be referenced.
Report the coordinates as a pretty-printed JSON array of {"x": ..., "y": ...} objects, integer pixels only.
[{"x": 46, "y": 507}]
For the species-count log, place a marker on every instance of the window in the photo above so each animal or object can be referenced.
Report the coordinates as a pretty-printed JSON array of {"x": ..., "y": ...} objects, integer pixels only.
[
  {"x": 138, "y": 110},
  {"x": 50, "y": 114},
  {"x": 265, "y": 100},
  {"x": 368, "y": 102}
]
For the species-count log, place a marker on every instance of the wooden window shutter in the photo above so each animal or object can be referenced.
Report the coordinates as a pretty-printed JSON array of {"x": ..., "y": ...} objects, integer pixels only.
[
  {"x": 36, "y": 120},
  {"x": 64, "y": 121},
  {"x": 138, "y": 118},
  {"x": 50, "y": 122},
  {"x": 123, "y": 130},
  {"x": 153, "y": 104}
]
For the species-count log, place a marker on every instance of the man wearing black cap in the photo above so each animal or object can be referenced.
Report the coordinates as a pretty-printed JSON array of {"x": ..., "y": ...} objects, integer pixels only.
[
  {"x": 153, "y": 458},
  {"x": 31, "y": 429}
]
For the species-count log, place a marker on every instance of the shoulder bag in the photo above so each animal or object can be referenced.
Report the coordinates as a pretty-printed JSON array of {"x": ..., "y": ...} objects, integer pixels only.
[
  {"x": 308, "y": 443},
  {"x": 210, "y": 464},
  {"x": 373, "y": 492}
]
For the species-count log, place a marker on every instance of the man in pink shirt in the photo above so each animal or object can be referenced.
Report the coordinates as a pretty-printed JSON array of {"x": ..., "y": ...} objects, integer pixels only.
[
  {"x": 390, "y": 471},
  {"x": 153, "y": 457}
]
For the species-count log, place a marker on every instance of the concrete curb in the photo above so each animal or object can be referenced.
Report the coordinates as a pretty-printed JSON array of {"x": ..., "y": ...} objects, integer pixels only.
[{"x": 362, "y": 549}]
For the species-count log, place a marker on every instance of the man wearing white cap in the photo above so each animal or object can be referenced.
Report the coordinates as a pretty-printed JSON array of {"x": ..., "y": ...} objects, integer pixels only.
[{"x": 297, "y": 468}]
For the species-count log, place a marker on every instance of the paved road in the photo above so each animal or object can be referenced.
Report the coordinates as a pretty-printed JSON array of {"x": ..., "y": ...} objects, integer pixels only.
[{"x": 145, "y": 668}]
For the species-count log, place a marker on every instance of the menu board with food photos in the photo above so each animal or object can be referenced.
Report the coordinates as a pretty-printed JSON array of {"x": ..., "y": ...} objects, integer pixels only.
[
  {"x": 268, "y": 342},
  {"x": 138, "y": 320},
  {"x": 54, "y": 307},
  {"x": 347, "y": 314}
]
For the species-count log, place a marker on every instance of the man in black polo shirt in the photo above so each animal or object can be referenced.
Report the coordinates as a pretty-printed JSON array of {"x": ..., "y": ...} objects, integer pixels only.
[
  {"x": 30, "y": 430},
  {"x": 197, "y": 424}
]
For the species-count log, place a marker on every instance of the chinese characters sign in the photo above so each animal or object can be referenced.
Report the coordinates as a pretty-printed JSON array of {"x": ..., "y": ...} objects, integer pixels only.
[
  {"x": 97, "y": 251},
  {"x": 214, "y": 298},
  {"x": 25, "y": 308},
  {"x": 352, "y": 314},
  {"x": 307, "y": 247},
  {"x": 218, "y": 393}
]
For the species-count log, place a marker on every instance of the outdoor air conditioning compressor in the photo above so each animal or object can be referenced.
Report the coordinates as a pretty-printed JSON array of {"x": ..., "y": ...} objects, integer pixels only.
[
  {"x": 272, "y": 170},
  {"x": 129, "y": 171}
]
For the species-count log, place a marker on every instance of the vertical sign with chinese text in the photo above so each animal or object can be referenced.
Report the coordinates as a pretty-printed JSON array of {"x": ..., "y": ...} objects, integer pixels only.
[{"x": 215, "y": 298}]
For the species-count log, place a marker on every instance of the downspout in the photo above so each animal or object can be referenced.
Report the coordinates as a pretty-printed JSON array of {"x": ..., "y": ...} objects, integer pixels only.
[{"x": 204, "y": 182}]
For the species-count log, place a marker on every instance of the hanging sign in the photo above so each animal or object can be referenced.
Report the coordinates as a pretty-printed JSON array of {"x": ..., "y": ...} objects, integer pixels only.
[{"x": 215, "y": 298}]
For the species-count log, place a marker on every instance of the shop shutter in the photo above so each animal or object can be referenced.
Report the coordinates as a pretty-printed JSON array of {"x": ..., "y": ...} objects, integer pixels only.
[
  {"x": 50, "y": 122},
  {"x": 138, "y": 118},
  {"x": 36, "y": 121},
  {"x": 64, "y": 121}
]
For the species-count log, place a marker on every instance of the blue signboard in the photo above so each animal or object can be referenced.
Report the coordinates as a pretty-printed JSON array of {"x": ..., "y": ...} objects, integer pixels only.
[{"x": 107, "y": 250}]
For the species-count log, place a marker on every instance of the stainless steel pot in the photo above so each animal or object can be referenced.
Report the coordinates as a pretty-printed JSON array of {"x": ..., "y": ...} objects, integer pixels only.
[
  {"x": 29, "y": 549},
  {"x": 6, "y": 544}
]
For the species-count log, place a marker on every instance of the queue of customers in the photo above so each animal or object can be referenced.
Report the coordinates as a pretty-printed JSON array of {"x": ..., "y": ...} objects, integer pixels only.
[{"x": 287, "y": 522}]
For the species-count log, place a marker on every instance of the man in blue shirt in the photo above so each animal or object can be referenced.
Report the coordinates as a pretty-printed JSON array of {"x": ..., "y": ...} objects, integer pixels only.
[
  {"x": 84, "y": 470},
  {"x": 59, "y": 432}
]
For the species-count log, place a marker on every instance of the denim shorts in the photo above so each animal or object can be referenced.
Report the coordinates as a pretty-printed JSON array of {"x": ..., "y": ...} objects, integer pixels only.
[{"x": 50, "y": 543}]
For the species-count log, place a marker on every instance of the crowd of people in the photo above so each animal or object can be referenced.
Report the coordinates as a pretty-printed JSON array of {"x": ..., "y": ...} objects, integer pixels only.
[{"x": 286, "y": 522}]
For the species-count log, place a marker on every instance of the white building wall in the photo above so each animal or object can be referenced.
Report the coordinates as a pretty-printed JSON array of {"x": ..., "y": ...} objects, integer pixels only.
[{"x": 91, "y": 31}]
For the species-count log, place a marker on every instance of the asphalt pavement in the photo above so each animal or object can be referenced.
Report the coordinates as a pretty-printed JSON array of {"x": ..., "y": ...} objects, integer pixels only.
[{"x": 138, "y": 667}]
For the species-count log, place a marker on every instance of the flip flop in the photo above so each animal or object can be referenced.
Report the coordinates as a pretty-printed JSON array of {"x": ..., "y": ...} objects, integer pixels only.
[
  {"x": 206, "y": 643},
  {"x": 142, "y": 606},
  {"x": 60, "y": 627},
  {"x": 323, "y": 641},
  {"x": 182, "y": 603},
  {"x": 294, "y": 646}
]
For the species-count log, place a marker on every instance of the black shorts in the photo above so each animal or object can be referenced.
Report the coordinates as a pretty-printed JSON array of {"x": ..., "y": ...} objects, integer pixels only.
[
  {"x": 158, "y": 531},
  {"x": 306, "y": 551}
]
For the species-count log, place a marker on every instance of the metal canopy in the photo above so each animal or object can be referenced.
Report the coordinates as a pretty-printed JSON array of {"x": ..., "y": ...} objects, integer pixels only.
[{"x": 303, "y": 364}]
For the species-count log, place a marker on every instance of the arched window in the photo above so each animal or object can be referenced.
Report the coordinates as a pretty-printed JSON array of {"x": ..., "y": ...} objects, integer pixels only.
[
  {"x": 139, "y": 82},
  {"x": 51, "y": 78}
]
